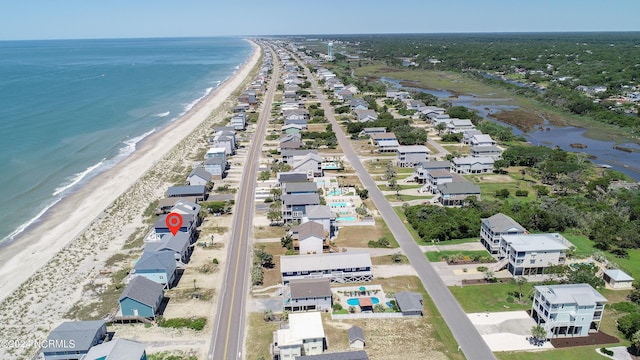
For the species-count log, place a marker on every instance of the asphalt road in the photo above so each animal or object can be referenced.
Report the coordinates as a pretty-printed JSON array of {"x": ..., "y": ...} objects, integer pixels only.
[
  {"x": 470, "y": 341},
  {"x": 228, "y": 331}
]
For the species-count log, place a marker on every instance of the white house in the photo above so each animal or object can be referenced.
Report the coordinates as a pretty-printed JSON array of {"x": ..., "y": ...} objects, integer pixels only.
[
  {"x": 459, "y": 125},
  {"x": 493, "y": 152},
  {"x": 481, "y": 140},
  {"x": 311, "y": 238},
  {"x": 568, "y": 310},
  {"x": 340, "y": 267},
  {"x": 618, "y": 279},
  {"x": 199, "y": 176},
  {"x": 421, "y": 170},
  {"x": 472, "y": 165},
  {"x": 366, "y": 115},
  {"x": 410, "y": 155},
  {"x": 531, "y": 254},
  {"x": 492, "y": 229},
  {"x": 311, "y": 164},
  {"x": 304, "y": 336}
]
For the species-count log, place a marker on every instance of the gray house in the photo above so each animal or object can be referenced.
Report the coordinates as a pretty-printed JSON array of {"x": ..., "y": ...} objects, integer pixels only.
[
  {"x": 157, "y": 266},
  {"x": 456, "y": 193},
  {"x": 199, "y": 176},
  {"x": 216, "y": 167},
  {"x": 199, "y": 191},
  {"x": 421, "y": 170},
  {"x": 120, "y": 349},
  {"x": 409, "y": 156},
  {"x": 308, "y": 294},
  {"x": 294, "y": 207},
  {"x": 291, "y": 176},
  {"x": 492, "y": 228},
  {"x": 71, "y": 340},
  {"x": 410, "y": 303},
  {"x": 142, "y": 297},
  {"x": 301, "y": 187},
  {"x": 356, "y": 338},
  {"x": 178, "y": 245},
  {"x": 288, "y": 155}
]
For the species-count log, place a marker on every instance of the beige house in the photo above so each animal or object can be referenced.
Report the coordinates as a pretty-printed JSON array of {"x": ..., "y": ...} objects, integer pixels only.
[{"x": 304, "y": 336}]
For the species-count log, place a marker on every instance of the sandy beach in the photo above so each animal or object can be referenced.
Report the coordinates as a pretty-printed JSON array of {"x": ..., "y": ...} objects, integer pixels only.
[{"x": 43, "y": 272}]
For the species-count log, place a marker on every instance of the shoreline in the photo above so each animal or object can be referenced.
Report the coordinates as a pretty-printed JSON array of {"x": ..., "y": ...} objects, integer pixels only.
[{"x": 72, "y": 216}]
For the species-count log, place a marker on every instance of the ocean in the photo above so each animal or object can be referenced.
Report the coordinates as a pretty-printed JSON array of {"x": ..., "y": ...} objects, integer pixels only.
[{"x": 71, "y": 109}]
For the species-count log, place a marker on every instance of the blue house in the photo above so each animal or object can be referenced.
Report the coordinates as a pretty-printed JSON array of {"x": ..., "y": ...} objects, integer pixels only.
[
  {"x": 216, "y": 167},
  {"x": 142, "y": 297},
  {"x": 188, "y": 226},
  {"x": 73, "y": 339},
  {"x": 118, "y": 349},
  {"x": 157, "y": 266}
]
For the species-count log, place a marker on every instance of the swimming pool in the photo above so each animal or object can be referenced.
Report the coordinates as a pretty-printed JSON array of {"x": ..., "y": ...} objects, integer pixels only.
[
  {"x": 354, "y": 301},
  {"x": 346, "y": 218},
  {"x": 334, "y": 193}
]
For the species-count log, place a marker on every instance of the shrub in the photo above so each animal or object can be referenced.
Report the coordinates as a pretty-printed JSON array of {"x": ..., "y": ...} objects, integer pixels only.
[
  {"x": 510, "y": 299},
  {"x": 522, "y": 193},
  {"x": 629, "y": 324},
  {"x": 178, "y": 323},
  {"x": 606, "y": 351},
  {"x": 626, "y": 307},
  {"x": 214, "y": 261},
  {"x": 337, "y": 307},
  {"x": 502, "y": 193},
  {"x": 482, "y": 269}
]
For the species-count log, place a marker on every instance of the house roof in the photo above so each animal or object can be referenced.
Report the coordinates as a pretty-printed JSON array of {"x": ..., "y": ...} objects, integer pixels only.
[
  {"x": 174, "y": 191},
  {"x": 319, "y": 212},
  {"x": 471, "y": 133},
  {"x": 460, "y": 122},
  {"x": 490, "y": 148},
  {"x": 120, "y": 349},
  {"x": 358, "y": 101},
  {"x": 310, "y": 228},
  {"x": 299, "y": 161},
  {"x": 350, "y": 259},
  {"x": 201, "y": 173},
  {"x": 302, "y": 288},
  {"x": 347, "y": 355},
  {"x": 470, "y": 160},
  {"x": 440, "y": 173},
  {"x": 501, "y": 223},
  {"x": 177, "y": 243},
  {"x": 184, "y": 206},
  {"x": 361, "y": 114},
  {"x": 456, "y": 188},
  {"x": 143, "y": 290},
  {"x": 161, "y": 223},
  {"x": 388, "y": 143},
  {"x": 300, "y": 199},
  {"x": 365, "y": 301},
  {"x": 302, "y": 326},
  {"x": 435, "y": 165},
  {"x": 299, "y": 187},
  {"x": 535, "y": 242},
  {"x": 355, "y": 333},
  {"x": 292, "y": 126},
  {"x": 375, "y": 129},
  {"x": 294, "y": 152},
  {"x": 409, "y": 301},
  {"x": 482, "y": 138},
  {"x": 580, "y": 294},
  {"x": 291, "y": 176},
  {"x": 154, "y": 260},
  {"x": 385, "y": 135},
  {"x": 618, "y": 275},
  {"x": 81, "y": 332},
  {"x": 413, "y": 149},
  {"x": 215, "y": 161},
  {"x": 290, "y": 137}
]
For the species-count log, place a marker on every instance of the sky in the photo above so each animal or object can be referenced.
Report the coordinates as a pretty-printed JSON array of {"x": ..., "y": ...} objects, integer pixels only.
[{"x": 87, "y": 19}]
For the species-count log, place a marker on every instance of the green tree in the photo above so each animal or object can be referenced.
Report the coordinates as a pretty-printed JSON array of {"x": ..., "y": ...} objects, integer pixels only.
[
  {"x": 276, "y": 192},
  {"x": 256, "y": 275},
  {"x": 635, "y": 341},
  {"x": 287, "y": 241},
  {"x": 268, "y": 315},
  {"x": 538, "y": 332},
  {"x": 585, "y": 274},
  {"x": 629, "y": 324},
  {"x": 520, "y": 282}
]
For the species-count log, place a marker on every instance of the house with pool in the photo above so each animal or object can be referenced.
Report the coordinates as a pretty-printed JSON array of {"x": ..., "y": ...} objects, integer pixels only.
[
  {"x": 341, "y": 267},
  {"x": 308, "y": 294}
]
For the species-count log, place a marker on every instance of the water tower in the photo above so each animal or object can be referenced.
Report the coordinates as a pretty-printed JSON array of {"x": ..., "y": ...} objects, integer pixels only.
[{"x": 330, "y": 52}]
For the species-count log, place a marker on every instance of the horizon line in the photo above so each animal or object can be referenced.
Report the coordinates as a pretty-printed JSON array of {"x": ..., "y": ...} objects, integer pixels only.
[{"x": 332, "y": 34}]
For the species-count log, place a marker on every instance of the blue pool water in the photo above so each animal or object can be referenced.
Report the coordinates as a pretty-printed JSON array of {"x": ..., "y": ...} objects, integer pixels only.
[
  {"x": 334, "y": 193},
  {"x": 346, "y": 218},
  {"x": 354, "y": 301}
]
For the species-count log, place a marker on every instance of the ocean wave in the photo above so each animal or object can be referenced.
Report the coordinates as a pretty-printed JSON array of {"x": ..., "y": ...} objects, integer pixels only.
[
  {"x": 28, "y": 223},
  {"x": 75, "y": 180},
  {"x": 164, "y": 114},
  {"x": 190, "y": 105}
]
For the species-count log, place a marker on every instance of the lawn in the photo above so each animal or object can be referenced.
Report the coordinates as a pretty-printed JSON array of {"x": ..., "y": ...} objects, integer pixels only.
[
  {"x": 573, "y": 353},
  {"x": 585, "y": 247},
  {"x": 402, "y": 197},
  {"x": 268, "y": 232},
  {"x": 259, "y": 337},
  {"x": 488, "y": 189},
  {"x": 386, "y": 260},
  {"x": 272, "y": 276},
  {"x": 492, "y": 297},
  {"x": 435, "y": 256},
  {"x": 359, "y": 236}
]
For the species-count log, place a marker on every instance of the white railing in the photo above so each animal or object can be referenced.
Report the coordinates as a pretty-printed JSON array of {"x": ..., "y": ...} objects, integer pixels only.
[{"x": 395, "y": 315}]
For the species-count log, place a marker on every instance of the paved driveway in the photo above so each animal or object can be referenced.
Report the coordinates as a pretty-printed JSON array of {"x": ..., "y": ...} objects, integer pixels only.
[{"x": 506, "y": 331}]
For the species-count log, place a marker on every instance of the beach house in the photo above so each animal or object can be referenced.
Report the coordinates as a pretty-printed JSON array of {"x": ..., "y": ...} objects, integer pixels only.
[
  {"x": 308, "y": 294},
  {"x": 531, "y": 254},
  {"x": 341, "y": 267},
  {"x": 568, "y": 310},
  {"x": 289, "y": 155},
  {"x": 457, "y": 193},
  {"x": 216, "y": 166},
  {"x": 618, "y": 279},
  {"x": 356, "y": 338},
  {"x": 472, "y": 165},
  {"x": 366, "y": 115},
  {"x": 421, "y": 170},
  {"x": 197, "y": 191},
  {"x": 239, "y": 121},
  {"x": 309, "y": 238},
  {"x": 156, "y": 266},
  {"x": 299, "y": 187},
  {"x": 117, "y": 349},
  {"x": 492, "y": 229},
  {"x": 294, "y": 206},
  {"x": 323, "y": 215},
  {"x": 493, "y": 152},
  {"x": 71, "y": 340},
  {"x": 142, "y": 297},
  {"x": 304, "y": 336},
  {"x": 409, "y": 303},
  {"x": 199, "y": 176},
  {"x": 459, "y": 125},
  {"x": 311, "y": 164},
  {"x": 410, "y": 155},
  {"x": 178, "y": 245}
]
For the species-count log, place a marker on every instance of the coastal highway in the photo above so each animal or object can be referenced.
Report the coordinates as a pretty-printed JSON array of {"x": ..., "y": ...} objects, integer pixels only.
[
  {"x": 470, "y": 341},
  {"x": 228, "y": 330}
]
